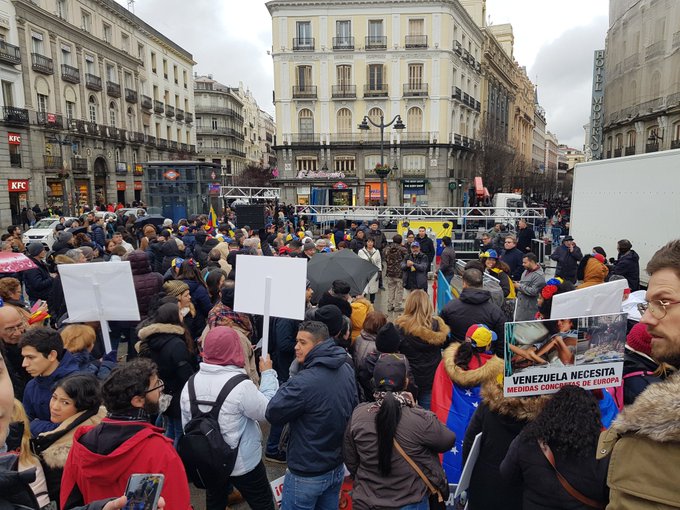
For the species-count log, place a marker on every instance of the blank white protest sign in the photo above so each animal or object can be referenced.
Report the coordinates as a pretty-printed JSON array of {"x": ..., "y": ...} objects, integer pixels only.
[{"x": 601, "y": 299}]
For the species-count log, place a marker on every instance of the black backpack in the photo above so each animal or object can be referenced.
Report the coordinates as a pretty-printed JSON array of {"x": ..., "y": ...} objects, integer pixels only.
[{"x": 208, "y": 459}]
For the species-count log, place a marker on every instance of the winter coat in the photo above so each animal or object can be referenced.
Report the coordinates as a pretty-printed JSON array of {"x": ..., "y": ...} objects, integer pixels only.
[
  {"x": 379, "y": 239},
  {"x": 345, "y": 306},
  {"x": 164, "y": 344},
  {"x": 427, "y": 247},
  {"x": 415, "y": 279},
  {"x": 17, "y": 373},
  {"x": 421, "y": 436},
  {"x": 357, "y": 244},
  {"x": 242, "y": 409},
  {"x": 169, "y": 251},
  {"x": 98, "y": 236},
  {"x": 38, "y": 393},
  {"x": 628, "y": 266},
  {"x": 423, "y": 348},
  {"x": 524, "y": 238},
  {"x": 53, "y": 447},
  {"x": 455, "y": 397},
  {"x": 643, "y": 446},
  {"x": 147, "y": 284},
  {"x": 361, "y": 307},
  {"x": 199, "y": 297},
  {"x": 525, "y": 466},
  {"x": 56, "y": 303},
  {"x": 38, "y": 281},
  {"x": 394, "y": 255},
  {"x": 500, "y": 419},
  {"x": 372, "y": 286},
  {"x": 513, "y": 258},
  {"x": 282, "y": 339},
  {"x": 594, "y": 272},
  {"x": 530, "y": 287},
  {"x": 91, "y": 365},
  {"x": 103, "y": 457},
  {"x": 636, "y": 362},
  {"x": 317, "y": 403},
  {"x": 504, "y": 281},
  {"x": 447, "y": 261},
  {"x": 567, "y": 262},
  {"x": 474, "y": 307}
]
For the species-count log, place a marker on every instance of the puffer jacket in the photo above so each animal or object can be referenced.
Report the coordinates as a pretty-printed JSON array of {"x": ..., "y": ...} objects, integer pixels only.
[
  {"x": 394, "y": 255},
  {"x": 647, "y": 431},
  {"x": 423, "y": 349},
  {"x": 242, "y": 409},
  {"x": 38, "y": 281},
  {"x": 147, "y": 283},
  {"x": 361, "y": 307},
  {"x": 421, "y": 436},
  {"x": 361, "y": 348},
  {"x": 591, "y": 271},
  {"x": 199, "y": 297},
  {"x": 628, "y": 266}
]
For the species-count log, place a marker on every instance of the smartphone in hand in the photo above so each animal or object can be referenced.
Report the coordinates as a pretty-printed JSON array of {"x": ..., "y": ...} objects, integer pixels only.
[{"x": 143, "y": 491}]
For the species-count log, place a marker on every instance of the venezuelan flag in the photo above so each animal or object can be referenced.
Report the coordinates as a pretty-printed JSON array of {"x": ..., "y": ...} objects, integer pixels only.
[{"x": 212, "y": 218}]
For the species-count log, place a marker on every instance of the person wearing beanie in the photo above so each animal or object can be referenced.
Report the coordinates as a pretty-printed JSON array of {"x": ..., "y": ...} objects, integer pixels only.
[
  {"x": 338, "y": 295},
  {"x": 63, "y": 243},
  {"x": 245, "y": 405},
  {"x": 382, "y": 476},
  {"x": 640, "y": 369},
  {"x": 592, "y": 270}
]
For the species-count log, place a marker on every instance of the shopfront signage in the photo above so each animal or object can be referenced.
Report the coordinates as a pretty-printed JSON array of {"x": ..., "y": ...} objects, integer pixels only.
[
  {"x": 17, "y": 185},
  {"x": 339, "y": 185},
  {"x": 214, "y": 188},
  {"x": 171, "y": 175},
  {"x": 139, "y": 170},
  {"x": 121, "y": 185},
  {"x": 138, "y": 185},
  {"x": 121, "y": 168},
  {"x": 597, "y": 106},
  {"x": 308, "y": 174},
  {"x": 14, "y": 138}
]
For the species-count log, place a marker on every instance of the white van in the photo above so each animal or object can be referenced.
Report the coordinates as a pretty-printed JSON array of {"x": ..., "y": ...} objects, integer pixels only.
[{"x": 508, "y": 208}]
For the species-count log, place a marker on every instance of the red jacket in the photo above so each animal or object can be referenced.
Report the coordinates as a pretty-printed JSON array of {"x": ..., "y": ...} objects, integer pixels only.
[{"x": 89, "y": 476}]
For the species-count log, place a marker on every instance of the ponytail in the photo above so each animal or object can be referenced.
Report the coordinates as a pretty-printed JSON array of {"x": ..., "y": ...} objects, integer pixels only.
[
  {"x": 464, "y": 355},
  {"x": 386, "y": 423}
]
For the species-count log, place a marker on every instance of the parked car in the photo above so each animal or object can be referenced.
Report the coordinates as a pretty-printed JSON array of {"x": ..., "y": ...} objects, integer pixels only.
[{"x": 43, "y": 231}]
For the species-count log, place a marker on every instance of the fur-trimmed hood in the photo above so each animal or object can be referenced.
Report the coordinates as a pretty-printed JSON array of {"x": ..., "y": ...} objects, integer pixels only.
[
  {"x": 522, "y": 408},
  {"x": 654, "y": 414},
  {"x": 156, "y": 328},
  {"x": 55, "y": 455},
  {"x": 473, "y": 377},
  {"x": 428, "y": 335}
]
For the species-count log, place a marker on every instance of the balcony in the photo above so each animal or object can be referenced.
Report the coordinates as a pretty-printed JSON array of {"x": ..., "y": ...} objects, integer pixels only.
[
  {"x": 415, "y": 41},
  {"x": 15, "y": 160},
  {"x": 130, "y": 96},
  {"x": 655, "y": 50},
  {"x": 112, "y": 89},
  {"x": 192, "y": 149},
  {"x": 466, "y": 99},
  {"x": 305, "y": 138},
  {"x": 50, "y": 120},
  {"x": 110, "y": 132},
  {"x": 629, "y": 151},
  {"x": 9, "y": 54},
  {"x": 79, "y": 165},
  {"x": 183, "y": 147},
  {"x": 93, "y": 82},
  {"x": 136, "y": 137},
  {"x": 652, "y": 147},
  {"x": 376, "y": 42},
  {"x": 304, "y": 91},
  {"x": 94, "y": 129},
  {"x": 169, "y": 110},
  {"x": 179, "y": 115},
  {"x": 122, "y": 135},
  {"x": 42, "y": 64},
  {"x": 618, "y": 152},
  {"x": 303, "y": 44},
  {"x": 162, "y": 143},
  {"x": 146, "y": 103},
  {"x": 422, "y": 137},
  {"x": 173, "y": 146},
  {"x": 415, "y": 89},
  {"x": 457, "y": 94},
  {"x": 15, "y": 116},
  {"x": 343, "y": 43},
  {"x": 376, "y": 90},
  {"x": 52, "y": 162},
  {"x": 675, "y": 144},
  {"x": 70, "y": 74},
  {"x": 189, "y": 118},
  {"x": 478, "y": 106},
  {"x": 344, "y": 92},
  {"x": 158, "y": 106}
]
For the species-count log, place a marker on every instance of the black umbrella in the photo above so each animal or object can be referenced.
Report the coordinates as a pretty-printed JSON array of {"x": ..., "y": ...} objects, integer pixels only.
[
  {"x": 324, "y": 268},
  {"x": 77, "y": 230},
  {"x": 153, "y": 219}
]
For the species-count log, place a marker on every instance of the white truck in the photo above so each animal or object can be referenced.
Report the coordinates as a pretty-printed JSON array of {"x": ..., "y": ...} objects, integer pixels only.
[{"x": 634, "y": 197}]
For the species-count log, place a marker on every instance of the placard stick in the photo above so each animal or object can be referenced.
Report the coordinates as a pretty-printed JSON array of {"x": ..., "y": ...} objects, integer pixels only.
[
  {"x": 265, "y": 321},
  {"x": 103, "y": 323}
]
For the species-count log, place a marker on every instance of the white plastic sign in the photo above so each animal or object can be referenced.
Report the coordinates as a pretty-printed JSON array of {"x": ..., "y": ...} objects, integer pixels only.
[{"x": 601, "y": 299}]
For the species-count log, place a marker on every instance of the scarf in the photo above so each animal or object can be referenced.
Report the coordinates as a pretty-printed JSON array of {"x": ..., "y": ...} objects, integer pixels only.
[
  {"x": 404, "y": 398},
  {"x": 222, "y": 315}
]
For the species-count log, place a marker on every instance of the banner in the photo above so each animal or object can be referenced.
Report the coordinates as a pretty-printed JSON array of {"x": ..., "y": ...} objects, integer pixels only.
[{"x": 542, "y": 356}]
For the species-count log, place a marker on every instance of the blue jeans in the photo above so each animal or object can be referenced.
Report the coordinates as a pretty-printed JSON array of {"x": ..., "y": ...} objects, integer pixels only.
[
  {"x": 423, "y": 504},
  {"x": 320, "y": 492}
]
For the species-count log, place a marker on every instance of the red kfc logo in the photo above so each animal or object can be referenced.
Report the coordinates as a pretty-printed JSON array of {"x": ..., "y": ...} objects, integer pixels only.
[
  {"x": 14, "y": 138},
  {"x": 17, "y": 185}
]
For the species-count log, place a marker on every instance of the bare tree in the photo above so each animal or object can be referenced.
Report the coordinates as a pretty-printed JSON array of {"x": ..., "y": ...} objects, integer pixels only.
[
  {"x": 496, "y": 158},
  {"x": 254, "y": 175}
]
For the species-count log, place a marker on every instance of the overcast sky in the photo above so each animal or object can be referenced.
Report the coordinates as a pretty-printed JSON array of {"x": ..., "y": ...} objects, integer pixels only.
[{"x": 554, "y": 39}]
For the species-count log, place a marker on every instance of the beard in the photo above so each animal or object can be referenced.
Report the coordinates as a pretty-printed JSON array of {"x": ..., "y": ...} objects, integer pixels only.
[
  {"x": 666, "y": 352},
  {"x": 151, "y": 408}
]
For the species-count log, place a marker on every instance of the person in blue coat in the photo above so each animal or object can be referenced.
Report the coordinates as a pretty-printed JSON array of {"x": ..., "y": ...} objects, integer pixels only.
[
  {"x": 46, "y": 360},
  {"x": 190, "y": 274},
  {"x": 317, "y": 403}
]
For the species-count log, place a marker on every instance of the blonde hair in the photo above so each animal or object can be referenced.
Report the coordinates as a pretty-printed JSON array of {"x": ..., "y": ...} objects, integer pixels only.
[
  {"x": 25, "y": 454},
  {"x": 78, "y": 337},
  {"x": 8, "y": 286},
  {"x": 418, "y": 312}
]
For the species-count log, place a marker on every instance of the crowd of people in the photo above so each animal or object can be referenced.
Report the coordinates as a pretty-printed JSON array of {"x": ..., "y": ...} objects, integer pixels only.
[{"x": 392, "y": 396}]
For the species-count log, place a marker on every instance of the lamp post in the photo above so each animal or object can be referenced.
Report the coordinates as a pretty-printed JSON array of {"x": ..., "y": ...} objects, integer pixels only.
[{"x": 384, "y": 170}]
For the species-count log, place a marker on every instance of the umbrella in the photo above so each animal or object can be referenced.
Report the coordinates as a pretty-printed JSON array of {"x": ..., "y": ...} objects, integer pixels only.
[
  {"x": 154, "y": 219},
  {"x": 77, "y": 230},
  {"x": 11, "y": 262},
  {"x": 344, "y": 265}
]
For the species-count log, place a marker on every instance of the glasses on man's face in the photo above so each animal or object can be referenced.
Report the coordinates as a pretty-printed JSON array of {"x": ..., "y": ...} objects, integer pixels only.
[
  {"x": 19, "y": 328},
  {"x": 657, "y": 308},
  {"x": 159, "y": 386}
]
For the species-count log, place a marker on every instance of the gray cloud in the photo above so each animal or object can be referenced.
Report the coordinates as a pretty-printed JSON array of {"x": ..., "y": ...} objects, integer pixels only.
[{"x": 563, "y": 70}]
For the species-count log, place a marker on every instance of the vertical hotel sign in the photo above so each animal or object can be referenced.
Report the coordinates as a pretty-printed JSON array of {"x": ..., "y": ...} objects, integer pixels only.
[{"x": 597, "y": 106}]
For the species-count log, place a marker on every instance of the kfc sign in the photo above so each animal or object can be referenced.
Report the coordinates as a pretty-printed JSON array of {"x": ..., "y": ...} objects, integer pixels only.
[
  {"x": 17, "y": 185},
  {"x": 14, "y": 138}
]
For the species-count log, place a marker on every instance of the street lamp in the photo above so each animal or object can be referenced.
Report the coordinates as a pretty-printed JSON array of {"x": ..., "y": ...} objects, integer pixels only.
[{"x": 384, "y": 170}]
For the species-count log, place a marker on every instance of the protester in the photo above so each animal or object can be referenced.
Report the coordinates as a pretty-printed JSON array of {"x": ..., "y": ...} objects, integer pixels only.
[
  {"x": 448, "y": 259},
  {"x": 79, "y": 340},
  {"x": 364, "y": 344},
  {"x": 190, "y": 274},
  {"x": 361, "y": 307},
  {"x": 338, "y": 295},
  {"x": 423, "y": 336},
  {"x": 38, "y": 281},
  {"x": 512, "y": 256},
  {"x": 493, "y": 268},
  {"x": 639, "y": 368},
  {"x": 592, "y": 270},
  {"x": 12, "y": 326},
  {"x": 382, "y": 476},
  {"x": 371, "y": 254},
  {"x": 529, "y": 288},
  {"x": 426, "y": 246},
  {"x": 10, "y": 294},
  {"x": 358, "y": 241},
  {"x": 567, "y": 255},
  {"x": 414, "y": 269},
  {"x": 628, "y": 264},
  {"x": 394, "y": 254},
  {"x": 525, "y": 236}
]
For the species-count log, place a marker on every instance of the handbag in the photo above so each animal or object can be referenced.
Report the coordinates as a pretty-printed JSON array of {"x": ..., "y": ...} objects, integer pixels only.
[
  {"x": 436, "y": 498},
  {"x": 547, "y": 452}
]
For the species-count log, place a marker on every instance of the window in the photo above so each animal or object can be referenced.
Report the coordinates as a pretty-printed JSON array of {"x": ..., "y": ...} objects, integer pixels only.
[
  {"x": 89, "y": 64},
  {"x": 619, "y": 141},
  {"x": 371, "y": 161},
  {"x": 153, "y": 61},
  {"x": 414, "y": 120},
  {"x": 184, "y": 78},
  {"x": 345, "y": 164},
  {"x": 65, "y": 55},
  {"x": 42, "y": 103},
  {"x": 374, "y": 114},
  {"x": 107, "y": 32},
  {"x": 37, "y": 42},
  {"x": 344, "y": 120},
  {"x": 85, "y": 21},
  {"x": 61, "y": 9},
  {"x": 303, "y": 31},
  {"x": 111, "y": 73},
  {"x": 304, "y": 77},
  {"x": 416, "y": 27},
  {"x": 375, "y": 76},
  {"x": 175, "y": 73},
  {"x": 631, "y": 138},
  {"x": 676, "y": 129},
  {"x": 344, "y": 76},
  {"x": 306, "y": 164},
  {"x": 128, "y": 81},
  {"x": 92, "y": 109},
  {"x": 415, "y": 76},
  {"x": 112, "y": 113},
  {"x": 414, "y": 164},
  {"x": 165, "y": 69},
  {"x": 306, "y": 123},
  {"x": 140, "y": 52},
  {"x": 70, "y": 110},
  {"x": 131, "y": 119},
  {"x": 375, "y": 29},
  {"x": 7, "y": 93},
  {"x": 125, "y": 42},
  {"x": 213, "y": 123}
]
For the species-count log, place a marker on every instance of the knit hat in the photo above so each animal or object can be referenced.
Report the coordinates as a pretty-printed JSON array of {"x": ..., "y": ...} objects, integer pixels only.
[
  {"x": 599, "y": 258},
  {"x": 331, "y": 316},
  {"x": 388, "y": 338},
  {"x": 35, "y": 249},
  {"x": 640, "y": 339},
  {"x": 175, "y": 288},
  {"x": 490, "y": 254},
  {"x": 390, "y": 372},
  {"x": 480, "y": 335},
  {"x": 64, "y": 236},
  {"x": 309, "y": 245},
  {"x": 177, "y": 262},
  {"x": 222, "y": 346}
]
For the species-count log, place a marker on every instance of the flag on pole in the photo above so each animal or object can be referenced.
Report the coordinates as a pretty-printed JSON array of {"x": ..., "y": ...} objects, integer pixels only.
[{"x": 212, "y": 218}]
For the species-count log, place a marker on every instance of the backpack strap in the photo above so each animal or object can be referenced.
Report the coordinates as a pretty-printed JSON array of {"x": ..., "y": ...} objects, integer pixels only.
[
  {"x": 638, "y": 373},
  {"x": 219, "y": 402}
]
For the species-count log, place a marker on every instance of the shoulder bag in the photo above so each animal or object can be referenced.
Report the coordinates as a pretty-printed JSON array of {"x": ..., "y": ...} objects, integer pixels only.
[{"x": 436, "y": 498}]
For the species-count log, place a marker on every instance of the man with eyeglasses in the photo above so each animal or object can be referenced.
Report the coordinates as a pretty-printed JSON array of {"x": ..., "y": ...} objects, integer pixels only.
[
  {"x": 646, "y": 437},
  {"x": 104, "y": 456},
  {"x": 12, "y": 326},
  {"x": 512, "y": 257}
]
